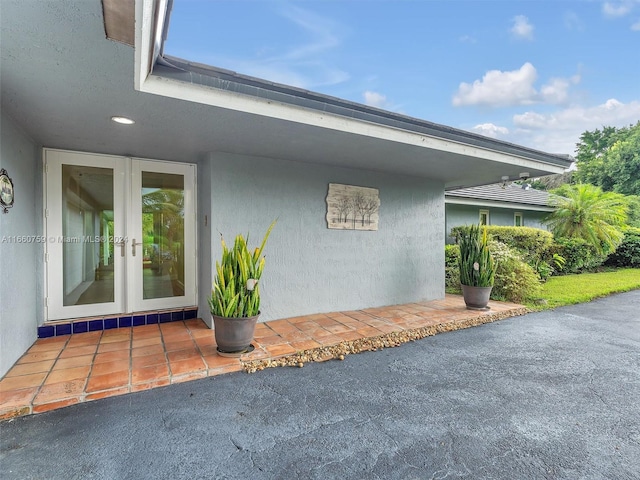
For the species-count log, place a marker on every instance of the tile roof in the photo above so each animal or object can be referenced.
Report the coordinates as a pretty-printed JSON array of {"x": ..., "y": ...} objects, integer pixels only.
[{"x": 510, "y": 194}]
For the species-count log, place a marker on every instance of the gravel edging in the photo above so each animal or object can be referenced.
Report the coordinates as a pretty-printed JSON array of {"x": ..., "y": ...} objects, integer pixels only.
[{"x": 387, "y": 340}]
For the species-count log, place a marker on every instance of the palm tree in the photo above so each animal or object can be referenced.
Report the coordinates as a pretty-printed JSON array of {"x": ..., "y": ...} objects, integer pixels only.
[{"x": 585, "y": 211}]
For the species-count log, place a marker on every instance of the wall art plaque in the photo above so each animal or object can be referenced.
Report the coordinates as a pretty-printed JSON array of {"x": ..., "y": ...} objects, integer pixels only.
[{"x": 352, "y": 208}]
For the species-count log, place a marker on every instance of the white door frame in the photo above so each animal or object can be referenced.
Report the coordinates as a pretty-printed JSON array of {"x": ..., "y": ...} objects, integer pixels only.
[
  {"x": 135, "y": 278},
  {"x": 128, "y": 296}
]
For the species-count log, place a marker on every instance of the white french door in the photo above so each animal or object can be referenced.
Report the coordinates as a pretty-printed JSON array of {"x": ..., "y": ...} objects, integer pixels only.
[
  {"x": 120, "y": 234},
  {"x": 162, "y": 235}
]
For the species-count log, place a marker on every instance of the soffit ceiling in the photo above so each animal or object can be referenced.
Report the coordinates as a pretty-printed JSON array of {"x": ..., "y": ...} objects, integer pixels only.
[{"x": 62, "y": 80}]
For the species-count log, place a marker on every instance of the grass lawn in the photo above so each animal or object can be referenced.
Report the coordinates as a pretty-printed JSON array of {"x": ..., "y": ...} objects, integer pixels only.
[{"x": 570, "y": 289}]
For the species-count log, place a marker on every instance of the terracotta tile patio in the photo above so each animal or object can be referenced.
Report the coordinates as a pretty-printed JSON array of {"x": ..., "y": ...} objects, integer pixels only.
[{"x": 61, "y": 371}]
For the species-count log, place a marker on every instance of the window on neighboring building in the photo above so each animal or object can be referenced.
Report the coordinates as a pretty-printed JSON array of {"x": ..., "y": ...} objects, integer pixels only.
[
  {"x": 484, "y": 217},
  {"x": 517, "y": 219}
]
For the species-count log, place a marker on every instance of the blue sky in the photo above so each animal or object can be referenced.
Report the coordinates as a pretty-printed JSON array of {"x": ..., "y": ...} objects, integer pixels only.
[{"x": 536, "y": 73}]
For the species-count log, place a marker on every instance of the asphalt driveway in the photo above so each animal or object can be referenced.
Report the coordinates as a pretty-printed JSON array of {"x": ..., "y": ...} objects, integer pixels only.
[{"x": 548, "y": 395}]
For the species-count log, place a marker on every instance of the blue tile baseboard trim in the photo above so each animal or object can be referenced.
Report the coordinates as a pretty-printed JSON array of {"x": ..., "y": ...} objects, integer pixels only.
[{"x": 105, "y": 323}]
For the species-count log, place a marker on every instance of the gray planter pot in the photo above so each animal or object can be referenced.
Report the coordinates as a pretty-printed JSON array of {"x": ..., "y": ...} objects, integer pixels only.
[
  {"x": 476, "y": 298},
  {"x": 234, "y": 335}
]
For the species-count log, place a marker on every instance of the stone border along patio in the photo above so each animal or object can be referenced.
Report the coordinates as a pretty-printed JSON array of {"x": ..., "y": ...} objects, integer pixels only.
[
  {"x": 388, "y": 340},
  {"x": 62, "y": 371}
]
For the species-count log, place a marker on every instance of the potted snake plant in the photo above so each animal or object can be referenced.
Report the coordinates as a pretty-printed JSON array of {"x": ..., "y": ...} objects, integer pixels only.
[
  {"x": 477, "y": 268},
  {"x": 235, "y": 297}
]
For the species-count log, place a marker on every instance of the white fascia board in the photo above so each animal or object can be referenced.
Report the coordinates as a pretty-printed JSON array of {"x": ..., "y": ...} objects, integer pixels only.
[
  {"x": 234, "y": 101},
  {"x": 150, "y": 17},
  {"x": 144, "y": 38},
  {"x": 495, "y": 204},
  {"x": 146, "y": 32}
]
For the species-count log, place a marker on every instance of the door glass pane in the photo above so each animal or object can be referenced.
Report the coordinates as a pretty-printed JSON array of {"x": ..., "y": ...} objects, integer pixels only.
[
  {"x": 87, "y": 229},
  {"x": 162, "y": 235}
]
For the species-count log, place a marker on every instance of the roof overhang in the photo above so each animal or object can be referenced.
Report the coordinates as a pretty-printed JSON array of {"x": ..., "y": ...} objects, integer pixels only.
[
  {"x": 495, "y": 204},
  {"x": 62, "y": 80},
  {"x": 211, "y": 86}
]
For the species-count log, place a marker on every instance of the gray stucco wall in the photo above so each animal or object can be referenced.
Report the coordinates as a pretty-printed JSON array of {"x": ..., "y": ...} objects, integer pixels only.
[
  {"x": 203, "y": 222},
  {"x": 21, "y": 294},
  {"x": 310, "y": 268},
  {"x": 457, "y": 215}
]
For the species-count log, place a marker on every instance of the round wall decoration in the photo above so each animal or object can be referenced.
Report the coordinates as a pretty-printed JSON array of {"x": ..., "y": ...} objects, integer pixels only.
[{"x": 6, "y": 191}]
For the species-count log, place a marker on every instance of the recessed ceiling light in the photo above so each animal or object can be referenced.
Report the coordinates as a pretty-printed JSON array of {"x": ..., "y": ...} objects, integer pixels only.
[{"x": 123, "y": 120}]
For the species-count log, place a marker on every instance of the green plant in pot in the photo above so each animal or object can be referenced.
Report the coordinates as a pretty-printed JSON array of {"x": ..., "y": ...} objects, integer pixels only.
[
  {"x": 477, "y": 268},
  {"x": 235, "y": 297}
]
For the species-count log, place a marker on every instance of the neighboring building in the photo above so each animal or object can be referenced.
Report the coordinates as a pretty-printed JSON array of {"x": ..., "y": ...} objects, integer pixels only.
[
  {"x": 116, "y": 225},
  {"x": 495, "y": 204}
]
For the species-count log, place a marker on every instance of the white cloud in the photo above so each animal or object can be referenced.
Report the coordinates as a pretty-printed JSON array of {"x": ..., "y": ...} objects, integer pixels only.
[
  {"x": 557, "y": 90},
  {"x": 490, "y": 130},
  {"x": 636, "y": 26},
  {"x": 618, "y": 9},
  {"x": 499, "y": 88},
  {"x": 611, "y": 112},
  {"x": 530, "y": 120},
  {"x": 375, "y": 99},
  {"x": 467, "y": 39},
  {"x": 558, "y": 132},
  {"x": 320, "y": 29},
  {"x": 515, "y": 87},
  {"x": 522, "y": 28},
  {"x": 573, "y": 22},
  {"x": 307, "y": 64}
]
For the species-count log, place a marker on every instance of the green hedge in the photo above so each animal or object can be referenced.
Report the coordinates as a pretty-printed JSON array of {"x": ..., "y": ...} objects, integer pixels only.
[
  {"x": 515, "y": 280},
  {"x": 451, "y": 255},
  {"x": 579, "y": 255},
  {"x": 628, "y": 252},
  {"x": 534, "y": 245},
  {"x": 451, "y": 267},
  {"x": 531, "y": 242}
]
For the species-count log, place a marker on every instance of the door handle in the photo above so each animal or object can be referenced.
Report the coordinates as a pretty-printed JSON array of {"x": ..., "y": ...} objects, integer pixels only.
[
  {"x": 133, "y": 247},
  {"x": 122, "y": 244}
]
